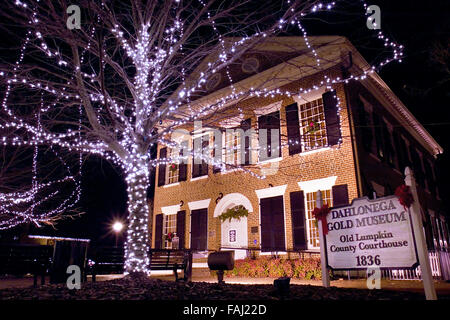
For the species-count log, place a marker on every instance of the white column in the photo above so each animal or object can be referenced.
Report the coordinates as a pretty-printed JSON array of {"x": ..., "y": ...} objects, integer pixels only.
[
  {"x": 422, "y": 251},
  {"x": 323, "y": 261}
]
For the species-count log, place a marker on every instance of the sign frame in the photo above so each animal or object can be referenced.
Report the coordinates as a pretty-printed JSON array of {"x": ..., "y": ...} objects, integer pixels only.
[{"x": 408, "y": 211}]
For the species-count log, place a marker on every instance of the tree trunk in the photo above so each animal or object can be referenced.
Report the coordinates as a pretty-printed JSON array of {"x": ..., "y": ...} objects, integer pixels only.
[{"x": 137, "y": 244}]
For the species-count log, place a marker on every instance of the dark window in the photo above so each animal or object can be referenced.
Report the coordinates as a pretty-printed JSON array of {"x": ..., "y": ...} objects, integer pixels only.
[
  {"x": 162, "y": 167},
  {"x": 199, "y": 229},
  {"x": 270, "y": 122},
  {"x": 333, "y": 125},
  {"x": 272, "y": 224},
  {"x": 378, "y": 135},
  {"x": 387, "y": 142},
  {"x": 401, "y": 151},
  {"x": 158, "y": 231},
  {"x": 293, "y": 129},
  {"x": 417, "y": 166},
  {"x": 431, "y": 185},
  {"x": 298, "y": 220},
  {"x": 365, "y": 125}
]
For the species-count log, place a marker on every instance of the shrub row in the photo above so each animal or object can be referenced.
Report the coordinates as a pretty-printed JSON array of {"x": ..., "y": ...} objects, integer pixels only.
[{"x": 305, "y": 269}]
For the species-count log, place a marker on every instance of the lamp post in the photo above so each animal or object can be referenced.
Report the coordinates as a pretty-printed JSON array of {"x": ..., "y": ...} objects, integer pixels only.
[{"x": 117, "y": 228}]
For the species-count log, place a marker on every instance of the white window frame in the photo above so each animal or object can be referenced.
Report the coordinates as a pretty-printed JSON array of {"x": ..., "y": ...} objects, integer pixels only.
[
  {"x": 173, "y": 227},
  {"x": 311, "y": 186}
]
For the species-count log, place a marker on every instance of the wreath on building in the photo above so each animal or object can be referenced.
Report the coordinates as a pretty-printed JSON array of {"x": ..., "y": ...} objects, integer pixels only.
[
  {"x": 170, "y": 236},
  {"x": 236, "y": 212},
  {"x": 313, "y": 126},
  {"x": 173, "y": 167}
]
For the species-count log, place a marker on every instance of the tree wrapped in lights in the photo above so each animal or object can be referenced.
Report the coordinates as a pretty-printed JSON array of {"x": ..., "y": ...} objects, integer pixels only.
[{"x": 118, "y": 85}]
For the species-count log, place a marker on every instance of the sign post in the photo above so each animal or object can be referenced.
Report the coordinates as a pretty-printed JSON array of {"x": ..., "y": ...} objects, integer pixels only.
[
  {"x": 422, "y": 251},
  {"x": 323, "y": 257}
]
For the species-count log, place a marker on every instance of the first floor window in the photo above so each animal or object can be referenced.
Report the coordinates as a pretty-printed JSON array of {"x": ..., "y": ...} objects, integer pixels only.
[
  {"x": 312, "y": 230},
  {"x": 313, "y": 128},
  {"x": 170, "y": 227}
]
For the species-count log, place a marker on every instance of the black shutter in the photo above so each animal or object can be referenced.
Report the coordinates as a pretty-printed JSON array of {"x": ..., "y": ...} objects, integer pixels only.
[
  {"x": 162, "y": 167},
  {"x": 266, "y": 225},
  {"x": 196, "y": 166},
  {"x": 181, "y": 226},
  {"x": 378, "y": 135},
  {"x": 204, "y": 165},
  {"x": 272, "y": 224},
  {"x": 365, "y": 127},
  {"x": 399, "y": 151},
  {"x": 245, "y": 126},
  {"x": 217, "y": 168},
  {"x": 293, "y": 129},
  {"x": 298, "y": 220},
  {"x": 182, "y": 167},
  {"x": 270, "y": 122},
  {"x": 340, "y": 195},
  {"x": 199, "y": 229},
  {"x": 331, "y": 117},
  {"x": 159, "y": 231}
]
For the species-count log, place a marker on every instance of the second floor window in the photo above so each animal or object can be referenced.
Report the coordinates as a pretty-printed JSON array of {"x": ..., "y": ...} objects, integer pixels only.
[
  {"x": 173, "y": 169},
  {"x": 232, "y": 147},
  {"x": 313, "y": 128}
]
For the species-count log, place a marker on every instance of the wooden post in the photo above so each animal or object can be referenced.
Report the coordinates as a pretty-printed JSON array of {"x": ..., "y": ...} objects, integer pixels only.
[
  {"x": 323, "y": 261},
  {"x": 422, "y": 251}
]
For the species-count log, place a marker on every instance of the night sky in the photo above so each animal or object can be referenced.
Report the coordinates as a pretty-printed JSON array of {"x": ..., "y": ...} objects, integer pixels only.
[{"x": 417, "y": 81}]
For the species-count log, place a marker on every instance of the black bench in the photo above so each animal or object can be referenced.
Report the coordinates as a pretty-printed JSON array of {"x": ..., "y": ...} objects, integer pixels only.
[
  {"x": 106, "y": 260},
  {"x": 21, "y": 259},
  {"x": 168, "y": 259}
]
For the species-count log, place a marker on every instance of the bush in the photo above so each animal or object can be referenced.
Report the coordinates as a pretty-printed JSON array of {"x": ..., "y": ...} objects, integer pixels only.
[{"x": 305, "y": 269}]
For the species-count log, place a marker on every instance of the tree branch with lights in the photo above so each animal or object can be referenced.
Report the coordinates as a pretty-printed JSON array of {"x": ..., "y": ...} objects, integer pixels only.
[{"x": 129, "y": 77}]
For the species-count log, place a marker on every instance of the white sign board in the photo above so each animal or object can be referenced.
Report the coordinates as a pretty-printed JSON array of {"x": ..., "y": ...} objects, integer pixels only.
[{"x": 370, "y": 233}]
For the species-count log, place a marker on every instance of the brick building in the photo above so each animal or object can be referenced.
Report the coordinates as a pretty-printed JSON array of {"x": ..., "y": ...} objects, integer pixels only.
[{"x": 348, "y": 140}]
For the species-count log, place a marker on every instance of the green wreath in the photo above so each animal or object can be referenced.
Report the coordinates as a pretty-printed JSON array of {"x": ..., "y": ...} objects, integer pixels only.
[{"x": 234, "y": 213}]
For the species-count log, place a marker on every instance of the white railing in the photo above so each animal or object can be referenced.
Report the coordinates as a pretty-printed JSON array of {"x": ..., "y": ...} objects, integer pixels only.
[{"x": 439, "y": 263}]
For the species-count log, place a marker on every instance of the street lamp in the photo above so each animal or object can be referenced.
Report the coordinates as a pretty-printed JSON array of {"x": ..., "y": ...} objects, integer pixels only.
[{"x": 117, "y": 228}]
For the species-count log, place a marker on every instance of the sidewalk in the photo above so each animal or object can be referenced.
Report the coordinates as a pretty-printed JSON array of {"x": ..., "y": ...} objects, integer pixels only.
[{"x": 442, "y": 287}]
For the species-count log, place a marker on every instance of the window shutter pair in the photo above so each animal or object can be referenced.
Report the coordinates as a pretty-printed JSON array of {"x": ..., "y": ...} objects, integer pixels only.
[
  {"x": 199, "y": 229},
  {"x": 272, "y": 224},
  {"x": 181, "y": 225},
  {"x": 182, "y": 167},
  {"x": 340, "y": 198}
]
